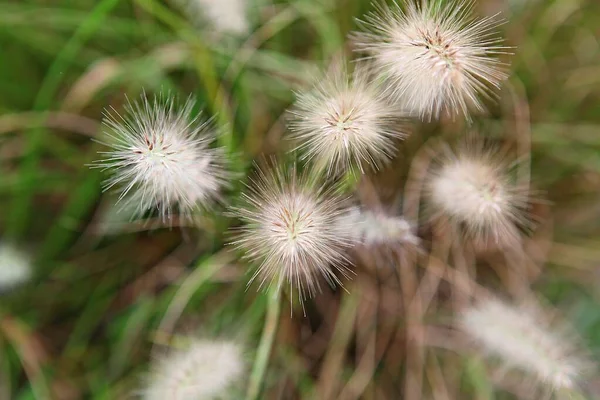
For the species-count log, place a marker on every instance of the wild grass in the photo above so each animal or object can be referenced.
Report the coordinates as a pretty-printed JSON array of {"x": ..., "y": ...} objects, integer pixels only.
[{"x": 108, "y": 293}]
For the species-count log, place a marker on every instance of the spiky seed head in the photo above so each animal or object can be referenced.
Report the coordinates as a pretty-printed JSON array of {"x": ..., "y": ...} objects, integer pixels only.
[
  {"x": 523, "y": 339},
  {"x": 438, "y": 58},
  {"x": 203, "y": 371},
  {"x": 372, "y": 228},
  {"x": 345, "y": 120},
  {"x": 292, "y": 230},
  {"x": 160, "y": 158},
  {"x": 473, "y": 189},
  {"x": 15, "y": 266}
]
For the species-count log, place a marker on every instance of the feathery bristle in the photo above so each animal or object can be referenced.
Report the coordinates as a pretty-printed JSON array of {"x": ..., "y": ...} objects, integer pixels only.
[
  {"x": 472, "y": 188},
  {"x": 523, "y": 340},
  {"x": 225, "y": 16},
  {"x": 438, "y": 58},
  {"x": 376, "y": 228},
  {"x": 344, "y": 121},
  {"x": 203, "y": 371},
  {"x": 161, "y": 159},
  {"x": 292, "y": 229}
]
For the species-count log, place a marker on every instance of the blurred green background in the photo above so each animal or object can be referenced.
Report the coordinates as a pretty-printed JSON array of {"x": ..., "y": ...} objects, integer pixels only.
[{"x": 84, "y": 326}]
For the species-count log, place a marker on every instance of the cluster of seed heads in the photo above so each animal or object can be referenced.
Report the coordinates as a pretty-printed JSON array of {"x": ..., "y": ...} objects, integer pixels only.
[
  {"x": 423, "y": 61},
  {"x": 432, "y": 57}
]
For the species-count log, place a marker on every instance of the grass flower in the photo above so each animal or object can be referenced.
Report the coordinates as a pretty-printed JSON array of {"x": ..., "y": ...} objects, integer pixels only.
[
  {"x": 378, "y": 229},
  {"x": 161, "y": 159},
  {"x": 524, "y": 340},
  {"x": 204, "y": 371},
  {"x": 437, "y": 57},
  {"x": 291, "y": 228},
  {"x": 15, "y": 267},
  {"x": 225, "y": 16},
  {"x": 344, "y": 121},
  {"x": 473, "y": 189}
]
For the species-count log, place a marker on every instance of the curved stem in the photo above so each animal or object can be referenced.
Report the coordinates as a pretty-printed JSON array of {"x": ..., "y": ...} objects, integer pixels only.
[
  {"x": 203, "y": 272},
  {"x": 266, "y": 343}
]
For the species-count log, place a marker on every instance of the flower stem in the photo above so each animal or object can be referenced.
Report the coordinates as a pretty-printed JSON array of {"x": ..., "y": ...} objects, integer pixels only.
[{"x": 266, "y": 343}]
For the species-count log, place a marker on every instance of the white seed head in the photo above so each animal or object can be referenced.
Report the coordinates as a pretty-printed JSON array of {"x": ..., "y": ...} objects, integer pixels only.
[
  {"x": 475, "y": 190},
  {"x": 292, "y": 230},
  {"x": 376, "y": 228},
  {"x": 437, "y": 57},
  {"x": 522, "y": 339},
  {"x": 344, "y": 121},
  {"x": 226, "y": 16},
  {"x": 15, "y": 267},
  {"x": 160, "y": 158},
  {"x": 204, "y": 371}
]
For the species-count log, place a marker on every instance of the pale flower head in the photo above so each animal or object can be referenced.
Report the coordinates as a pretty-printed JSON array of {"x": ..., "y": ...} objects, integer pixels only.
[
  {"x": 437, "y": 57},
  {"x": 344, "y": 121},
  {"x": 225, "y": 16},
  {"x": 160, "y": 158},
  {"x": 15, "y": 266},
  {"x": 473, "y": 189},
  {"x": 372, "y": 228},
  {"x": 292, "y": 230},
  {"x": 204, "y": 371},
  {"x": 523, "y": 339}
]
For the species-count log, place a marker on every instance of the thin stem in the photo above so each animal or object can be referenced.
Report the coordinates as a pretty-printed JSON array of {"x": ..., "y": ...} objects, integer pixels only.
[
  {"x": 522, "y": 130},
  {"x": 329, "y": 378},
  {"x": 266, "y": 343},
  {"x": 203, "y": 272}
]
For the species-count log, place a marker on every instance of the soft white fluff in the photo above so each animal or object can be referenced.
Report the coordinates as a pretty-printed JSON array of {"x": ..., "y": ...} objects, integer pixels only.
[
  {"x": 345, "y": 120},
  {"x": 160, "y": 158},
  {"x": 15, "y": 266},
  {"x": 226, "y": 16},
  {"x": 472, "y": 187},
  {"x": 203, "y": 371},
  {"x": 438, "y": 58},
  {"x": 291, "y": 228},
  {"x": 376, "y": 228},
  {"x": 524, "y": 341}
]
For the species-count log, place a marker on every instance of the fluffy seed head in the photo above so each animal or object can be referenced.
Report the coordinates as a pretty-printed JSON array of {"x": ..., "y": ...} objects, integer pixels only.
[
  {"x": 345, "y": 120},
  {"x": 376, "y": 228},
  {"x": 226, "y": 16},
  {"x": 473, "y": 189},
  {"x": 202, "y": 372},
  {"x": 160, "y": 158},
  {"x": 437, "y": 57},
  {"x": 523, "y": 340},
  {"x": 292, "y": 229},
  {"x": 15, "y": 267}
]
